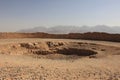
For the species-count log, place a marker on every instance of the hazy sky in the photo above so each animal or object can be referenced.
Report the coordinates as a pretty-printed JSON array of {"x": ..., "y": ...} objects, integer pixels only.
[{"x": 20, "y": 14}]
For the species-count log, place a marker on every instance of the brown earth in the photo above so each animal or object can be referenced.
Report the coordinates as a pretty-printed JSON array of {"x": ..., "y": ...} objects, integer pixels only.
[
  {"x": 59, "y": 59},
  {"x": 85, "y": 36}
]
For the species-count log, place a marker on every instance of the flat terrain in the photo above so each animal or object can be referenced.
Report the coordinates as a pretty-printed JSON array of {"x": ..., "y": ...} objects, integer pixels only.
[{"x": 59, "y": 59}]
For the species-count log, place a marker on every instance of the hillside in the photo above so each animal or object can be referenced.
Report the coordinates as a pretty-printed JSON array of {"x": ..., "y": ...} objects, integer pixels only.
[{"x": 86, "y": 36}]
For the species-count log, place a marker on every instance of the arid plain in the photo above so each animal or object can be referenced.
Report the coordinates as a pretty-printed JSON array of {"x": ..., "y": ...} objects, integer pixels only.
[{"x": 59, "y": 59}]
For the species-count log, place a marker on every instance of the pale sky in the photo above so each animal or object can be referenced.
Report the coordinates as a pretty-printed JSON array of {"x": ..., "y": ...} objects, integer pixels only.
[{"x": 21, "y": 14}]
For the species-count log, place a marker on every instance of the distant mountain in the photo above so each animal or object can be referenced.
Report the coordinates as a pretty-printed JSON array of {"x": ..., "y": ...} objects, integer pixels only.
[
  {"x": 73, "y": 29},
  {"x": 35, "y": 29}
]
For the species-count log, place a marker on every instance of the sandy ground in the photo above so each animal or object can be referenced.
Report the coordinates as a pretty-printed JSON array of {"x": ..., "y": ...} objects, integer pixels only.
[{"x": 27, "y": 67}]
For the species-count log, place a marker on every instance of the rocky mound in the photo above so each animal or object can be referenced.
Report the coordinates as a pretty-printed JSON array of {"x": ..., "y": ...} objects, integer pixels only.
[{"x": 81, "y": 49}]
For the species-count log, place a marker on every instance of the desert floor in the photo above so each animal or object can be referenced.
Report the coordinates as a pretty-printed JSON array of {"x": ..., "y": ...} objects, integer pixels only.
[{"x": 45, "y": 59}]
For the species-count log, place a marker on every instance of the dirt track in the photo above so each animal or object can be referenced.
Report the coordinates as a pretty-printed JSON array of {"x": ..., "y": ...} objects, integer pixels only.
[{"x": 105, "y": 65}]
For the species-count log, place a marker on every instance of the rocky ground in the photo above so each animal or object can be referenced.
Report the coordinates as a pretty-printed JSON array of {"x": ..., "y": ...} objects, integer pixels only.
[{"x": 59, "y": 59}]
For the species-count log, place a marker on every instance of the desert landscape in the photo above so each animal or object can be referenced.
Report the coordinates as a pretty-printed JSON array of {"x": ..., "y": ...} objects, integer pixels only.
[
  {"x": 59, "y": 59},
  {"x": 59, "y": 39}
]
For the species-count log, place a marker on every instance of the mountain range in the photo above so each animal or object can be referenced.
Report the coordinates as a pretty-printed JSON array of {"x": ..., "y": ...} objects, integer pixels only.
[{"x": 73, "y": 29}]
